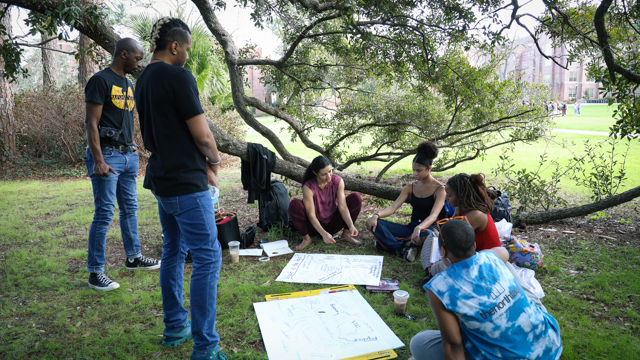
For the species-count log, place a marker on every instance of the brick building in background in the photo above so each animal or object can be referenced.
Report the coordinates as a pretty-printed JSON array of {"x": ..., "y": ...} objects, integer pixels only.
[
  {"x": 256, "y": 88},
  {"x": 570, "y": 84}
]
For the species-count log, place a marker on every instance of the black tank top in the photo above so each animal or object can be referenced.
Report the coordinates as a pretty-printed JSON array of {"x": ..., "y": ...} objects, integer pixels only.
[{"x": 422, "y": 206}]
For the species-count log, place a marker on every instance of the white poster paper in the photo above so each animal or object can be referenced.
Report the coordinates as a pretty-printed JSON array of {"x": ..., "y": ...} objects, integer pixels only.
[
  {"x": 333, "y": 269},
  {"x": 327, "y": 326},
  {"x": 435, "y": 250}
]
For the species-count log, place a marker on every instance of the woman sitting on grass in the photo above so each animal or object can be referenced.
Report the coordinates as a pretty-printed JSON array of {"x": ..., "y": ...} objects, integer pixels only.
[
  {"x": 472, "y": 199},
  {"x": 324, "y": 208},
  {"x": 427, "y": 197}
]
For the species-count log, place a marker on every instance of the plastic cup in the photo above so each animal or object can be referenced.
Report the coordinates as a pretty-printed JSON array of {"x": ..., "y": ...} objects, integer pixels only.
[
  {"x": 400, "y": 298},
  {"x": 234, "y": 250}
]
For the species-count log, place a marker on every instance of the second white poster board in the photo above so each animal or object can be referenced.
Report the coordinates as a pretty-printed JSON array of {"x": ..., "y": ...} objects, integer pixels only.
[{"x": 333, "y": 269}]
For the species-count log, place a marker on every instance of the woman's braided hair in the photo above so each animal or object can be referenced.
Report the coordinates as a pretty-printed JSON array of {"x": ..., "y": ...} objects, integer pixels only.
[
  {"x": 472, "y": 192},
  {"x": 167, "y": 30}
]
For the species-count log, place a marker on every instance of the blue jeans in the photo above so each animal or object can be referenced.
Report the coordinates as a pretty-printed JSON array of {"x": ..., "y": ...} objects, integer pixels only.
[
  {"x": 190, "y": 220},
  {"x": 106, "y": 190},
  {"x": 392, "y": 236}
]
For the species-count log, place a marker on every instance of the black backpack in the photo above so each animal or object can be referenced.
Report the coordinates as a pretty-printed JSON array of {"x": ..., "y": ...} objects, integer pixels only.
[
  {"x": 502, "y": 207},
  {"x": 273, "y": 207}
]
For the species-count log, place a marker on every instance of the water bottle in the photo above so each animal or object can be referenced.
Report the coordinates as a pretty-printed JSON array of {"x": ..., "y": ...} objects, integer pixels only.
[{"x": 215, "y": 193}]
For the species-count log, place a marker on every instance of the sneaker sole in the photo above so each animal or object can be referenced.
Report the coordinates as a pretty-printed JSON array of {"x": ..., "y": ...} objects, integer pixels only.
[
  {"x": 105, "y": 288},
  {"x": 154, "y": 267},
  {"x": 176, "y": 342},
  {"x": 411, "y": 256}
]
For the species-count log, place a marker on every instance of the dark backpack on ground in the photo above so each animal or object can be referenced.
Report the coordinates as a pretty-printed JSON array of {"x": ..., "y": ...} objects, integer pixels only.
[
  {"x": 273, "y": 207},
  {"x": 502, "y": 207}
]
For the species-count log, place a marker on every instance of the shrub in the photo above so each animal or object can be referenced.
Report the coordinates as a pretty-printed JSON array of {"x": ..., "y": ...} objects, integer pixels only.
[
  {"x": 229, "y": 121},
  {"x": 50, "y": 123}
]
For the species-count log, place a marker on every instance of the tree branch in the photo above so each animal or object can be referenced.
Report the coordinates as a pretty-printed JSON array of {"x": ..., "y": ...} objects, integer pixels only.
[
  {"x": 605, "y": 46},
  {"x": 99, "y": 32},
  {"x": 559, "y": 214},
  {"x": 39, "y": 46},
  {"x": 237, "y": 82}
]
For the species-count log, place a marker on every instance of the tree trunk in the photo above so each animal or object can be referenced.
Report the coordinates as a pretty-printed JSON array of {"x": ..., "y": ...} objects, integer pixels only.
[
  {"x": 558, "y": 214},
  {"x": 49, "y": 72},
  {"x": 7, "y": 126},
  {"x": 86, "y": 66},
  {"x": 233, "y": 146}
]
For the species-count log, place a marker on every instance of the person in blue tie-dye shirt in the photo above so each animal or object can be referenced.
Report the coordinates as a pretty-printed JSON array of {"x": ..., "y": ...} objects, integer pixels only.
[{"x": 481, "y": 310}]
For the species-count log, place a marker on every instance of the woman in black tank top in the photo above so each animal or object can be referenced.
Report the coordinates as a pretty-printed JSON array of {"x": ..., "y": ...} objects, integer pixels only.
[{"x": 426, "y": 196}]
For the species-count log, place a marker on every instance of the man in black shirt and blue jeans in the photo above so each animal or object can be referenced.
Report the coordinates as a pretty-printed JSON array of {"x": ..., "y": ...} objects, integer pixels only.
[
  {"x": 184, "y": 159},
  {"x": 112, "y": 162}
]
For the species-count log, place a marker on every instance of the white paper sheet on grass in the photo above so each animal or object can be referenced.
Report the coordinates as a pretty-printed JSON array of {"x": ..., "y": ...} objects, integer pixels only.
[
  {"x": 276, "y": 248},
  {"x": 328, "y": 326},
  {"x": 250, "y": 252},
  {"x": 333, "y": 269}
]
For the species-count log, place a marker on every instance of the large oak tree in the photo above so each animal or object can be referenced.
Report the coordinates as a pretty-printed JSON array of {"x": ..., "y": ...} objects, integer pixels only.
[{"x": 396, "y": 71}]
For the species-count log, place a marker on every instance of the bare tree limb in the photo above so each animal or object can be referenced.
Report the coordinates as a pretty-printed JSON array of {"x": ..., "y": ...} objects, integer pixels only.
[
  {"x": 559, "y": 214},
  {"x": 236, "y": 80},
  {"x": 99, "y": 31},
  {"x": 40, "y": 46}
]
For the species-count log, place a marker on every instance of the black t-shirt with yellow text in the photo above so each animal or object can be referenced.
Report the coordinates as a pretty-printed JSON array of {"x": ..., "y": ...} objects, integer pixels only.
[{"x": 115, "y": 94}]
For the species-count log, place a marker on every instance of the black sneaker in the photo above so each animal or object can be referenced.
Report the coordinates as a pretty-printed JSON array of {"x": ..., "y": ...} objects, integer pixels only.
[
  {"x": 142, "y": 263},
  {"x": 188, "y": 259},
  {"x": 100, "y": 282},
  {"x": 423, "y": 282}
]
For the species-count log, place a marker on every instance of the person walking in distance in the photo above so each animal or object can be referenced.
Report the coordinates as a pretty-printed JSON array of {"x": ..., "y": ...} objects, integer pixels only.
[
  {"x": 112, "y": 162},
  {"x": 184, "y": 160}
]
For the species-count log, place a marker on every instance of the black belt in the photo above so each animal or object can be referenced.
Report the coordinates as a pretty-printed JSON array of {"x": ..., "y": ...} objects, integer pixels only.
[{"x": 119, "y": 148}]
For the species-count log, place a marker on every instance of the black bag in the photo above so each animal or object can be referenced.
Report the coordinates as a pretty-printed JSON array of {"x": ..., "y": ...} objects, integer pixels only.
[
  {"x": 502, "y": 207},
  {"x": 248, "y": 237},
  {"x": 229, "y": 230},
  {"x": 273, "y": 207}
]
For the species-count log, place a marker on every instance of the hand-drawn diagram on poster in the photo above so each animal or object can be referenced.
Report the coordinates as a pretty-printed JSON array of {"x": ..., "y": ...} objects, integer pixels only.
[
  {"x": 328, "y": 326},
  {"x": 333, "y": 269}
]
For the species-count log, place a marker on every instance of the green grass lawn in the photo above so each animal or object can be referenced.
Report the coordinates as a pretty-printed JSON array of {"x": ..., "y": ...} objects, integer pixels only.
[
  {"x": 47, "y": 310},
  {"x": 594, "y": 117}
]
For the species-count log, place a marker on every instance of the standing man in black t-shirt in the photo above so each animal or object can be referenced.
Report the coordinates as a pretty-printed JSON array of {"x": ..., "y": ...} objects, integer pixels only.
[
  {"x": 112, "y": 162},
  {"x": 184, "y": 159}
]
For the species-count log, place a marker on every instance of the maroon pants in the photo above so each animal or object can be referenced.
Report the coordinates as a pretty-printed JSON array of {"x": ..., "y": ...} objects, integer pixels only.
[{"x": 298, "y": 216}]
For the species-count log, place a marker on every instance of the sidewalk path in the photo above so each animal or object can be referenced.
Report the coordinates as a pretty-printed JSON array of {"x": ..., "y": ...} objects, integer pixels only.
[
  {"x": 583, "y": 132},
  {"x": 587, "y": 132}
]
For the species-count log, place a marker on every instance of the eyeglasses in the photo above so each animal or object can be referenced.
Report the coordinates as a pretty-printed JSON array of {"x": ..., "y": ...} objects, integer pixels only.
[{"x": 444, "y": 221}]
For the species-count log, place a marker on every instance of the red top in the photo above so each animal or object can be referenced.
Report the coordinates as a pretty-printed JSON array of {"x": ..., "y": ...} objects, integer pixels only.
[
  {"x": 325, "y": 200},
  {"x": 487, "y": 238}
]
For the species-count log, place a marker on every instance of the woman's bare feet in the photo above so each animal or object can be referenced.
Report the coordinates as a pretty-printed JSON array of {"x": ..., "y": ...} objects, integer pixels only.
[
  {"x": 345, "y": 236},
  {"x": 305, "y": 242}
]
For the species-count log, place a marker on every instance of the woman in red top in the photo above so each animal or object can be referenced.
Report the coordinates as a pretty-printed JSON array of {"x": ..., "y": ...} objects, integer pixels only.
[{"x": 472, "y": 199}]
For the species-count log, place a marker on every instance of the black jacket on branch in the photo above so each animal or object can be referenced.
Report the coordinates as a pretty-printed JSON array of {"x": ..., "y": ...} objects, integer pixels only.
[{"x": 256, "y": 172}]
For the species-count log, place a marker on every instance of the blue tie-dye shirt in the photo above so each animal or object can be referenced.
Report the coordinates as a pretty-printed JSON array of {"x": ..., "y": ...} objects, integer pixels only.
[{"x": 496, "y": 318}]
